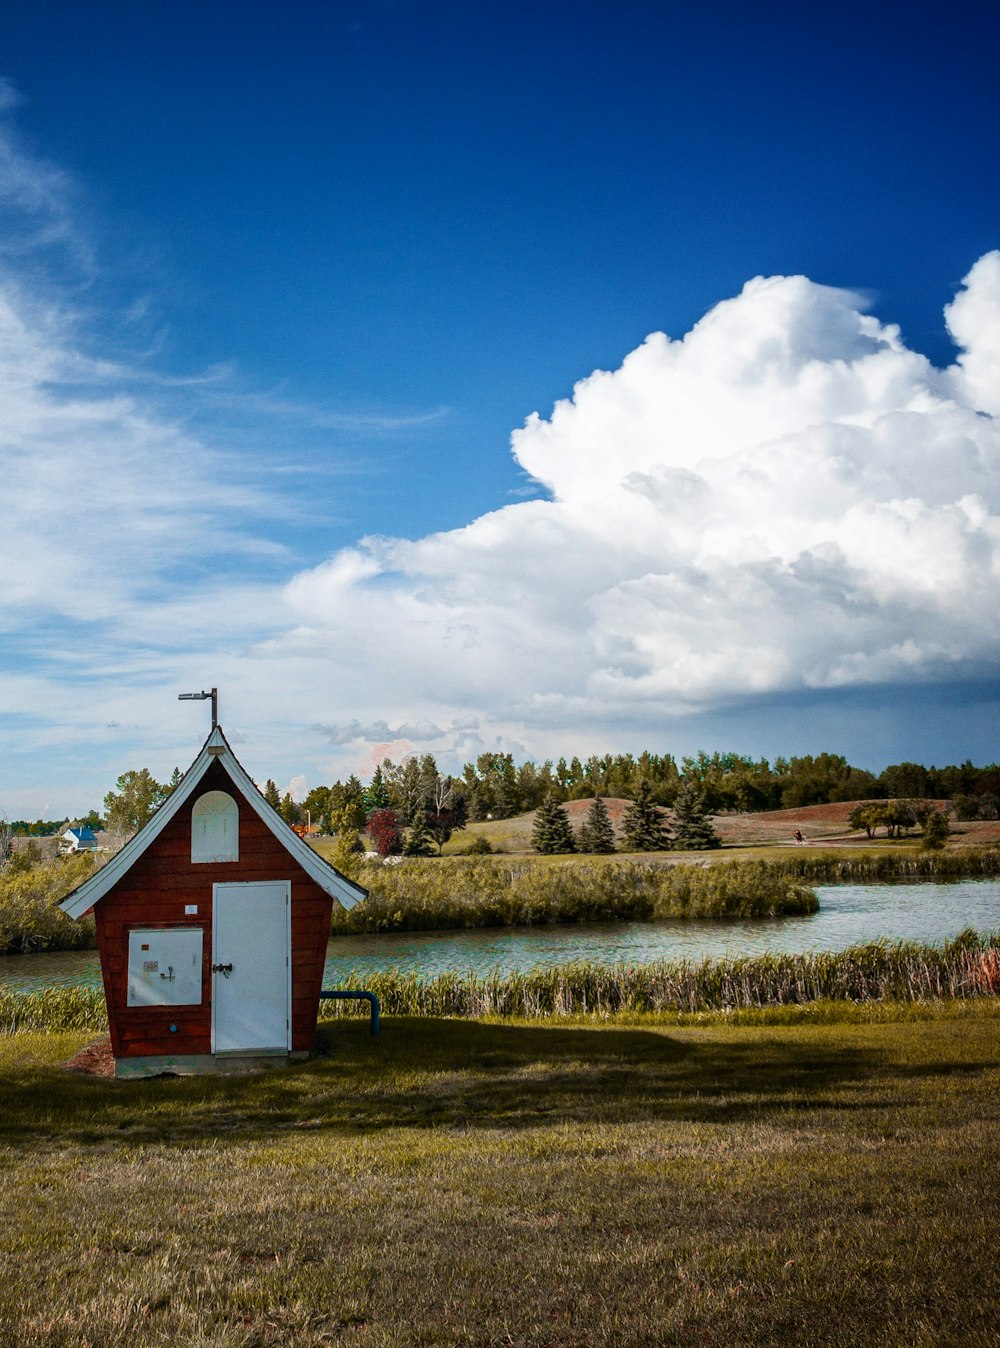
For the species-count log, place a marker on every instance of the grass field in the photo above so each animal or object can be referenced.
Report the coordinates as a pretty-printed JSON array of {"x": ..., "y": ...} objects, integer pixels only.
[
  {"x": 819, "y": 824},
  {"x": 452, "y": 1182}
]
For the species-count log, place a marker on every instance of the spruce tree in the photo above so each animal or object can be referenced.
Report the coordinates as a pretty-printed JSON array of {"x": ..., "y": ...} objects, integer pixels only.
[
  {"x": 551, "y": 831},
  {"x": 693, "y": 831},
  {"x": 419, "y": 838},
  {"x": 377, "y": 794},
  {"x": 597, "y": 834},
  {"x": 271, "y": 794},
  {"x": 642, "y": 823},
  {"x": 290, "y": 812}
]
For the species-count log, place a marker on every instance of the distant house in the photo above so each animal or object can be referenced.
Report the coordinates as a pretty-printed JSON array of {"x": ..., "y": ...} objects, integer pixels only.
[{"x": 80, "y": 839}]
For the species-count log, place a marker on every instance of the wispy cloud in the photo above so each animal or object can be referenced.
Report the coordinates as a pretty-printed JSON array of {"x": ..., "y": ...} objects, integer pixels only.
[{"x": 351, "y": 422}]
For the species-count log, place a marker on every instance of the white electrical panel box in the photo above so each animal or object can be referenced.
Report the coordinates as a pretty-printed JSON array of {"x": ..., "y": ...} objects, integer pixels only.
[{"x": 164, "y": 966}]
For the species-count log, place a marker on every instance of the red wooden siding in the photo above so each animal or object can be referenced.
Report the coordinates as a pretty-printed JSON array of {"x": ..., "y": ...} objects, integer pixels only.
[{"x": 153, "y": 894}]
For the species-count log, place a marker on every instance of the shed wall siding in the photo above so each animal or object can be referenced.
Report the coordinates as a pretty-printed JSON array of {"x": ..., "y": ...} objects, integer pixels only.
[{"x": 154, "y": 893}]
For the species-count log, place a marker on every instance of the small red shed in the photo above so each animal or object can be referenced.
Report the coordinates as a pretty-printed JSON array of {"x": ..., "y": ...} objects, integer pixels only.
[{"x": 212, "y": 927}]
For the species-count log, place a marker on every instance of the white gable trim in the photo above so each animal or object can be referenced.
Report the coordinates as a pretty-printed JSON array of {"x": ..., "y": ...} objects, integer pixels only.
[{"x": 345, "y": 891}]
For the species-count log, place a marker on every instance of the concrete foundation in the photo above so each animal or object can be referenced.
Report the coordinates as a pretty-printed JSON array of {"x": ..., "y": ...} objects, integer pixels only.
[{"x": 204, "y": 1064}]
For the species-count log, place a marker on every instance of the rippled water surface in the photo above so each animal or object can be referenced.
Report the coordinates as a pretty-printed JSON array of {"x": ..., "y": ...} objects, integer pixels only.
[{"x": 848, "y": 914}]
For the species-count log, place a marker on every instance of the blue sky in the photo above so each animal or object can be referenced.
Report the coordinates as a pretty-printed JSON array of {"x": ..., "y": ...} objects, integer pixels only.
[{"x": 278, "y": 282}]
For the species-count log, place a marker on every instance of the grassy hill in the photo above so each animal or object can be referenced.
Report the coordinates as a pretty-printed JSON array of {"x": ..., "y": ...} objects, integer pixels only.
[
  {"x": 817, "y": 824},
  {"x": 754, "y": 834}
]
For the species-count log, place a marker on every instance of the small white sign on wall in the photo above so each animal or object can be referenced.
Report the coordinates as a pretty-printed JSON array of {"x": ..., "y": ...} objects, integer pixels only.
[{"x": 164, "y": 966}]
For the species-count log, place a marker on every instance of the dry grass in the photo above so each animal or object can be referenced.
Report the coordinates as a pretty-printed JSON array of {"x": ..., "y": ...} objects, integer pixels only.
[
  {"x": 472, "y": 1184},
  {"x": 818, "y": 824}
]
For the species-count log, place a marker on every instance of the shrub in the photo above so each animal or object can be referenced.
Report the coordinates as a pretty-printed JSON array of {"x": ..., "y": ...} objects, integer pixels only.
[
  {"x": 479, "y": 846},
  {"x": 936, "y": 830},
  {"x": 29, "y": 918},
  {"x": 346, "y": 854}
]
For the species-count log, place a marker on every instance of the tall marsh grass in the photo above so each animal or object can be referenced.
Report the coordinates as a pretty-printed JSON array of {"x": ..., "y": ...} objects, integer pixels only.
[
  {"x": 861, "y": 866},
  {"x": 53, "y": 1009},
  {"x": 968, "y": 966},
  {"x": 489, "y": 892}
]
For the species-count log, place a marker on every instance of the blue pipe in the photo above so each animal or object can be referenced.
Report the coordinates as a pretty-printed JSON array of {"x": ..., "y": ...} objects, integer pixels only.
[{"x": 342, "y": 995}]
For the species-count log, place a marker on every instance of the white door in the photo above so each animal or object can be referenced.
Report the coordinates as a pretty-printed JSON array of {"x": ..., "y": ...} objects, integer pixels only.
[{"x": 251, "y": 967}]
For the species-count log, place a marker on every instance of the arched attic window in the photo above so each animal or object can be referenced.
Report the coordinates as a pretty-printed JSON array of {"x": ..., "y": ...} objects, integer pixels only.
[{"x": 215, "y": 828}]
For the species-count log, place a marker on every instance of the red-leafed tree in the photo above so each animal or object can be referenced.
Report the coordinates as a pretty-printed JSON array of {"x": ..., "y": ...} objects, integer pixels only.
[{"x": 385, "y": 832}]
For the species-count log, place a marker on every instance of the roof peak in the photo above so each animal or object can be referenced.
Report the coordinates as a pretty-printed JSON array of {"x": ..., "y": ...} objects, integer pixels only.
[{"x": 215, "y": 749}]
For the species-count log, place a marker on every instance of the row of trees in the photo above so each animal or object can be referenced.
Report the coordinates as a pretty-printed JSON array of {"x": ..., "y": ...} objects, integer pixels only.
[
  {"x": 499, "y": 788},
  {"x": 431, "y": 805},
  {"x": 644, "y": 828},
  {"x": 897, "y": 817},
  {"x": 495, "y": 787}
]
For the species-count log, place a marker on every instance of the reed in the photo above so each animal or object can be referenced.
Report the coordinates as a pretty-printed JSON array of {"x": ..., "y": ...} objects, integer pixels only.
[
  {"x": 489, "y": 892},
  {"x": 52, "y": 1010},
  {"x": 900, "y": 972},
  {"x": 968, "y": 966},
  {"x": 858, "y": 865}
]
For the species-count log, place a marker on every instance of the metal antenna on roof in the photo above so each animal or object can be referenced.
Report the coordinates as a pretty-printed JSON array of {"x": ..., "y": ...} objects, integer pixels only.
[{"x": 200, "y": 697}]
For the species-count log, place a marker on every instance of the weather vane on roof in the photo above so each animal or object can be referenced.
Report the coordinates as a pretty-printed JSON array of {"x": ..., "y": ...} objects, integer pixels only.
[{"x": 200, "y": 697}]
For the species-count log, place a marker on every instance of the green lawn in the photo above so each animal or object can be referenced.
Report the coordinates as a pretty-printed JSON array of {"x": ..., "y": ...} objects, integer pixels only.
[{"x": 469, "y": 1183}]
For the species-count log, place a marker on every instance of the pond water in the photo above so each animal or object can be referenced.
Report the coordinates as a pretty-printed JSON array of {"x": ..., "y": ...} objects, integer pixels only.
[{"x": 848, "y": 914}]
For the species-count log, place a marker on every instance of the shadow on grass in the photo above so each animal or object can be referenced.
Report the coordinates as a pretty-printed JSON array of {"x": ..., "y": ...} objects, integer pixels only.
[{"x": 424, "y": 1073}]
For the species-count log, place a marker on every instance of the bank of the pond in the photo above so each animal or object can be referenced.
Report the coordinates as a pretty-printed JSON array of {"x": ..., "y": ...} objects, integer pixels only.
[
  {"x": 966, "y": 967},
  {"x": 458, "y": 893}
]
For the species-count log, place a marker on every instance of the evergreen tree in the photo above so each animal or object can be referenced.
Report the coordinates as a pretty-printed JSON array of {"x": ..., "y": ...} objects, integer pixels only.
[
  {"x": 419, "y": 839},
  {"x": 377, "y": 795},
  {"x": 346, "y": 807},
  {"x": 642, "y": 823},
  {"x": 272, "y": 795},
  {"x": 551, "y": 831},
  {"x": 597, "y": 834},
  {"x": 694, "y": 831},
  {"x": 290, "y": 812}
]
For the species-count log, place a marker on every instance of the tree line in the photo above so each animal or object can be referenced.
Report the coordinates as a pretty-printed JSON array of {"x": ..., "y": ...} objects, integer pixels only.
[{"x": 497, "y": 787}]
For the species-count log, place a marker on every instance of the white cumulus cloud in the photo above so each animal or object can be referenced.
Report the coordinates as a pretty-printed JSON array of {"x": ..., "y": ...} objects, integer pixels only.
[{"x": 785, "y": 499}]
